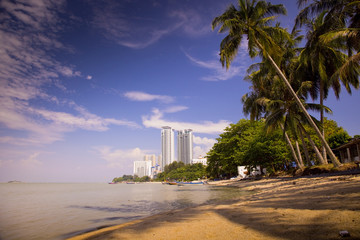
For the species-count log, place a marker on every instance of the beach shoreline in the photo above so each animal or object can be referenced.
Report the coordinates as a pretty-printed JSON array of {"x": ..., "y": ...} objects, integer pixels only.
[{"x": 316, "y": 207}]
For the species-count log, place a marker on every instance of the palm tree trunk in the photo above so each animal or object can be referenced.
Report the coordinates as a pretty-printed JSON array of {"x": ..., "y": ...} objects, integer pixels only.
[
  {"x": 304, "y": 147},
  {"x": 318, "y": 154},
  {"x": 299, "y": 154},
  {"x": 323, "y": 150},
  {"x": 291, "y": 147},
  {"x": 332, "y": 156}
]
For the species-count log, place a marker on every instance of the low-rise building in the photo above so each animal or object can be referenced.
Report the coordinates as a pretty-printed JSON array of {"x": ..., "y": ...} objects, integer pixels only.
[
  {"x": 349, "y": 152},
  {"x": 142, "y": 168},
  {"x": 202, "y": 160}
]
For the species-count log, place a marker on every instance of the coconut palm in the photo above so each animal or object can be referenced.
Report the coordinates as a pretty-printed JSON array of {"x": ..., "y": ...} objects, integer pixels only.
[
  {"x": 328, "y": 36},
  {"x": 319, "y": 61},
  {"x": 270, "y": 99},
  {"x": 253, "y": 20},
  {"x": 342, "y": 25}
]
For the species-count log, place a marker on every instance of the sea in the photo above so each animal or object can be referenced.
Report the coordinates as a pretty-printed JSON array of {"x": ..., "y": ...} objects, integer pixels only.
[{"x": 62, "y": 210}]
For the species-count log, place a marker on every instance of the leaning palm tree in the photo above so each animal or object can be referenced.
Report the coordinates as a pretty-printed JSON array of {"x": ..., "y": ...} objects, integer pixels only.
[
  {"x": 269, "y": 99},
  {"x": 319, "y": 61},
  {"x": 253, "y": 20}
]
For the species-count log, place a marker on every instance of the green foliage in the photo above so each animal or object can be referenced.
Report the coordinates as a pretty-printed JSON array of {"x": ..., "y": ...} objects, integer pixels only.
[
  {"x": 180, "y": 171},
  {"x": 338, "y": 139},
  {"x": 332, "y": 132},
  {"x": 246, "y": 143},
  {"x": 131, "y": 178},
  {"x": 356, "y": 136},
  {"x": 173, "y": 166}
]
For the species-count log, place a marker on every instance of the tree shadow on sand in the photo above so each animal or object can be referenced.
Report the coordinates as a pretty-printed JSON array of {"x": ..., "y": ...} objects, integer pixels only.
[{"x": 293, "y": 210}]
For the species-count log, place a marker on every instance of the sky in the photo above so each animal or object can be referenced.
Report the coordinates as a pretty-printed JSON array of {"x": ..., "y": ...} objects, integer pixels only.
[{"x": 86, "y": 85}]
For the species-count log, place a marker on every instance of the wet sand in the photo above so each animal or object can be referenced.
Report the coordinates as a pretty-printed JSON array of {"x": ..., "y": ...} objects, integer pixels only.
[{"x": 282, "y": 208}]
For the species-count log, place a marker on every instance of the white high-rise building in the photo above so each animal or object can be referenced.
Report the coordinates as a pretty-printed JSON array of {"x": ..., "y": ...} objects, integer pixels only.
[
  {"x": 167, "y": 146},
  {"x": 142, "y": 168},
  {"x": 185, "y": 146}
]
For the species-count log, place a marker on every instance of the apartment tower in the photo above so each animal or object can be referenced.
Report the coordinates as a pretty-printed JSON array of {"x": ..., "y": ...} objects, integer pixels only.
[
  {"x": 185, "y": 146},
  {"x": 167, "y": 146}
]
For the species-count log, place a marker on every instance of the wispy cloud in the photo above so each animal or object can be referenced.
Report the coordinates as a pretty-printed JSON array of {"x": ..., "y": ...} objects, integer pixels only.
[
  {"x": 174, "y": 109},
  {"x": 218, "y": 72},
  {"x": 139, "y": 30},
  {"x": 145, "y": 97},
  {"x": 28, "y": 37},
  {"x": 130, "y": 31},
  {"x": 156, "y": 120}
]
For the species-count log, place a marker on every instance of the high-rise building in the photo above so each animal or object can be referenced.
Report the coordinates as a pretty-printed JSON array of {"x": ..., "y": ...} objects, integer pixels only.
[
  {"x": 167, "y": 146},
  {"x": 185, "y": 146}
]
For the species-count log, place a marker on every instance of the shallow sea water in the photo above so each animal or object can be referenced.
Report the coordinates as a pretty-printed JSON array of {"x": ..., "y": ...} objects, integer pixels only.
[{"x": 61, "y": 210}]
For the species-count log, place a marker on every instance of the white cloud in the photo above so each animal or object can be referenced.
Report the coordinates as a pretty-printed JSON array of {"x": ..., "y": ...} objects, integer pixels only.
[
  {"x": 40, "y": 126},
  {"x": 88, "y": 77},
  {"x": 121, "y": 158},
  {"x": 203, "y": 146},
  {"x": 204, "y": 141},
  {"x": 85, "y": 120},
  {"x": 144, "y": 97},
  {"x": 156, "y": 120}
]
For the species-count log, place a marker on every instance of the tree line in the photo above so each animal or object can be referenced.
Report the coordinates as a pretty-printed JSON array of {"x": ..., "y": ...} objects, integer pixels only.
[{"x": 249, "y": 143}]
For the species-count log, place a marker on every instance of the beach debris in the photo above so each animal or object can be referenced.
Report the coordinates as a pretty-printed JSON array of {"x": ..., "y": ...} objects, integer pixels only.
[{"x": 344, "y": 233}]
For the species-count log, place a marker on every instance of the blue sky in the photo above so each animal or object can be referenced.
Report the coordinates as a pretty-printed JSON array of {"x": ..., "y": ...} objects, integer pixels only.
[{"x": 87, "y": 85}]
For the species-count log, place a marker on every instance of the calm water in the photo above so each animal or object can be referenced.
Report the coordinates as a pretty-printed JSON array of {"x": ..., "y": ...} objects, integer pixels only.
[{"x": 57, "y": 211}]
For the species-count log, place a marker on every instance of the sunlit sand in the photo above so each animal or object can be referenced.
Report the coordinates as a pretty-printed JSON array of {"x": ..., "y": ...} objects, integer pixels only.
[{"x": 303, "y": 208}]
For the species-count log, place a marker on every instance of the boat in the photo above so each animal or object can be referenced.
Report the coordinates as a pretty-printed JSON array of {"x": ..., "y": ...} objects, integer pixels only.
[
  {"x": 173, "y": 183},
  {"x": 192, "y": 183}
]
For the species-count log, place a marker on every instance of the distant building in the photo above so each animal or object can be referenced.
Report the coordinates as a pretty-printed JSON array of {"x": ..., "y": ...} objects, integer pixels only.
[
  {"x": 201, "y": 160},
  {"x": 185, "y": 146},
  {"x": 159, "y": 162},
  {"x": 151, "y": 158},
  {"x": 167, "y": 146},
  {"x": 142, "y": 168}
]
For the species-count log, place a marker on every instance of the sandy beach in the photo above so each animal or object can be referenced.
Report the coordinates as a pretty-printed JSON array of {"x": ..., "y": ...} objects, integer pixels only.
[{"x": 316, "y": 207}]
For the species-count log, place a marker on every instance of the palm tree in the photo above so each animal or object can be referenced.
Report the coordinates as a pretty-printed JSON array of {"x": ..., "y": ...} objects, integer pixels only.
[
  {"x": 343, "y": 22},
  {"x": 269, "y": 97},
  {"x": 270, "y": 100},
  {"x": 253, "y": 19},
  {"x": 318, "y": 61}
]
